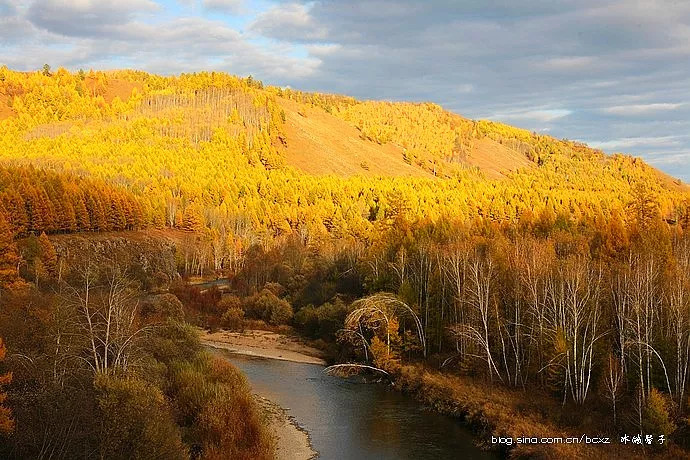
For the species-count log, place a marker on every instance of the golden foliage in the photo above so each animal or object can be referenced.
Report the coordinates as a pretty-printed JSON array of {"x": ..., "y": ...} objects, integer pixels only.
[{"x": 199, "y": 151}]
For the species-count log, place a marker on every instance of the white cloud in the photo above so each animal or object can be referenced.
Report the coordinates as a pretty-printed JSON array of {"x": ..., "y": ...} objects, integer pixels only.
[
  {"x": 86, "y": 18},
  {"x": 570, "y": 63},
  {"x": 675, "y": 159},
  {"x": 542, "y": 115},
  {"x": 641, "y": 109},
  {"x": 632, "y": 142},
  {"x": 291, "y": 21},
  {"x": 324, "y": 49}
]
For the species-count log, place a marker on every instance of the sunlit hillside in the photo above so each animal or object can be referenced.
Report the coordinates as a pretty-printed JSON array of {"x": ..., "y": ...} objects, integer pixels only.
[
  {"x": 249, "y": 162},
  {"x": 526, "y": 284}
]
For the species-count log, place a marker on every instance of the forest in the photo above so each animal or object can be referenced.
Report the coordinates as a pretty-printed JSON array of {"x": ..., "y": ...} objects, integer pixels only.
[{"x": 563, "y": 286}]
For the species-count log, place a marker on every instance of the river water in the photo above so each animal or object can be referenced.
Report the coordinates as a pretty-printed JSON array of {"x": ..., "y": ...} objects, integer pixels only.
[{"x": 347, "y": 419}]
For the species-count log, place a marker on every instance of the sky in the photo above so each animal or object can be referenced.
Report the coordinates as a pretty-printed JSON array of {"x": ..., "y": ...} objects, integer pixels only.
[{"x": 612, "y": 73}]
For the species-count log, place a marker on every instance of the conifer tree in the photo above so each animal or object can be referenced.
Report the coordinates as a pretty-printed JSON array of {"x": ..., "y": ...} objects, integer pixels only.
[
  {"x": 9, "y": 257},
  {"x": 6, "y": 421},
  {"x": 47, "y": 254}
]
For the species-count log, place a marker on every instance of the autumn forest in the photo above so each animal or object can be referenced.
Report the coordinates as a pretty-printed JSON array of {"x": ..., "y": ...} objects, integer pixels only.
[{"x": 524, "y": 284}]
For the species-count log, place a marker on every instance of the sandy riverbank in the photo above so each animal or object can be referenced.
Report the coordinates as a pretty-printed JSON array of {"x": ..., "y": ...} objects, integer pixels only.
[
  {"x": 263, "y": 344},
  {"x": 292, "y": 441}
]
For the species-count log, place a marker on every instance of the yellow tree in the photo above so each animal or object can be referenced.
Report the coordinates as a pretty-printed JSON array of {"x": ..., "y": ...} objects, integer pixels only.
[{"x": 9, "y": 257}]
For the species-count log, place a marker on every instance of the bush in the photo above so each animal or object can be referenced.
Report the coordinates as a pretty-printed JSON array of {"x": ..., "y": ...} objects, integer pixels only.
[
  {"x": 322, "y": 322},
  {"x": 214, "y": 401},
  {"x": 657, "y": 418},
  {"x": 135, "y": 421},
  {"x": 229, "y": 422},
  {"x": 231, "y": 428},
  {"x": 173, "y": 341},
  {"x": 233, "y": 319},
  {"x": 162, "y": 307},
  {"x": 268, "y": 307}
]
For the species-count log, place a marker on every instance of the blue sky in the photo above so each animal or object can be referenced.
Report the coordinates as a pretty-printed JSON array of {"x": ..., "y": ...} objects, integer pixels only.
[{"x": 614, "y": 74}]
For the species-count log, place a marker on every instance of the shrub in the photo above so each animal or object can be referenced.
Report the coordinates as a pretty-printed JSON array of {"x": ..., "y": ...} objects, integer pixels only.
[
  {"x": 162, "y": 307},
  {"x": 657, "y": 418},
  {"x": 173, "y": 341},
  {"x": 135, "y": 421},
  {"x": 268, "y": 307},
  {"x": 231, "y": 428},
  {"x": 212, "y": 399},
  {"x": 322, "y": 322},
  {"x": 233, "y": 319}
]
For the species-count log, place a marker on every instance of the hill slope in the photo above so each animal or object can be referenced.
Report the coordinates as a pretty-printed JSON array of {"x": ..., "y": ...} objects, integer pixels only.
[
  {"x": 320, "y": 143},
  {"x": 247, "y": 162}
]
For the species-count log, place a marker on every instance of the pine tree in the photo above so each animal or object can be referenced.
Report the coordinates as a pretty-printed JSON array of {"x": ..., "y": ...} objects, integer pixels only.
[
  {"x": 47, "y": 254},
  {"x": 6, "y": 422},
  {"x": 81, "y": 214},
  {"x": 9, "y": 257},
  {"x": 66, "y": 216},
  {"x": 192, "y": 220},
  {"x": 96, "y": 213},
  {"x": 15, "y": 210}
]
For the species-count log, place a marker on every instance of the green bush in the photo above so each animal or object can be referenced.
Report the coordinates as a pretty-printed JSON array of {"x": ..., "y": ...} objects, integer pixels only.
[
  {"x": 173, "y": 341},
  {"x": 268, "y": 307},
  {"x": 323, "y": 321}
]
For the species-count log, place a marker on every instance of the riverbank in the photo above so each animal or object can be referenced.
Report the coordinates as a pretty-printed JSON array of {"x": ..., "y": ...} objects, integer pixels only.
[
  {"x": 263, "y": 344},
  {"x": 493, "y": 411},
  {"x": 291, "y": 441},
  {"x": 489, "y": 410}
]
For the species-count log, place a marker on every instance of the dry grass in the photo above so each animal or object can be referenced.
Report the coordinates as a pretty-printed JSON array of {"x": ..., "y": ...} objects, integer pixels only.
[
  {"x": 492, "y": 410},
  {"x": 319, "y": 143},
  {"x": 114, "y": 88},
  {"x": 496, "y": 160}
]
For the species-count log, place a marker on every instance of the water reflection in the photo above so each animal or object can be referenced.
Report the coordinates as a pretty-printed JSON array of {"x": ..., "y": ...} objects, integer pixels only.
[{"x": 351, "y": 420}]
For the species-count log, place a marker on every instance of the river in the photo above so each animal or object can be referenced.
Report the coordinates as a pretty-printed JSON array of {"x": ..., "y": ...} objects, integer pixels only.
[{"x": 347, "y": 419}]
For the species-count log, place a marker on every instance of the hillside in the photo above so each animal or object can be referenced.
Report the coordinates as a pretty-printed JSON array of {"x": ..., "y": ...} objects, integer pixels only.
[
  {"x": 246, "y": 162},
  {"x": 319, "y": 143}
]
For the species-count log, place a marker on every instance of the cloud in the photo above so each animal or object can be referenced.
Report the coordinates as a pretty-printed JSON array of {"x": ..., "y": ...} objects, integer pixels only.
[
  {"x": 139, "y": 34},
  {"x": 569, "y": 64},
  {"x": 542, "y": 115},
  {"x": 631, "y": 142},
  {"x": 230, "y": 6},
  {"x": 86, "y": 18},
  {"x": 641, "y": 109},
  {"x": 291, "y": 22},
  {"x": 673, "y": 159}
]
